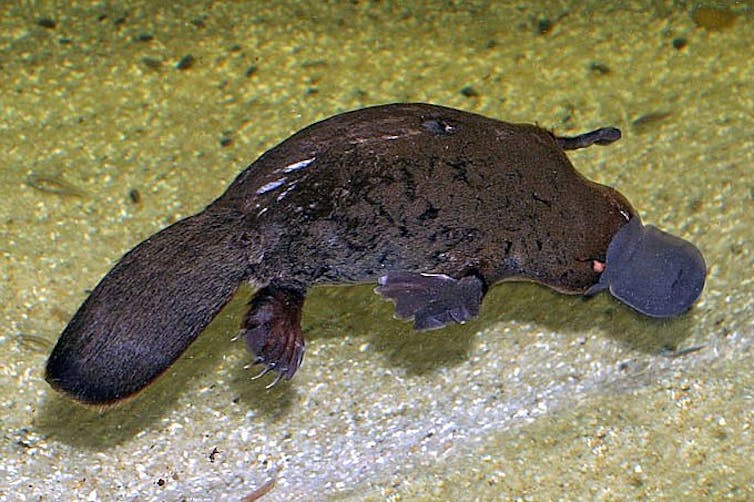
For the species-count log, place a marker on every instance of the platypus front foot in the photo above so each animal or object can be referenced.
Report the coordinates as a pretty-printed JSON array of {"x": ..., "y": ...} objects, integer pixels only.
[{"x": 432, "y": 300}]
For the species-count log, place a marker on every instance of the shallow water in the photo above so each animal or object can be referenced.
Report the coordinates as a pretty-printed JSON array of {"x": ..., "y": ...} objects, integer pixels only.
[{"x": 544, "y": 396}]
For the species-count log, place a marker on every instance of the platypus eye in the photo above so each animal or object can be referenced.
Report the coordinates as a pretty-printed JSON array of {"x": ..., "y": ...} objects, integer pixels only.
[{"x": 652, "y": 271}]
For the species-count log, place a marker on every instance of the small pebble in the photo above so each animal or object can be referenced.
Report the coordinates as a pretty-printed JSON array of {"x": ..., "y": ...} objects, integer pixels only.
[
  {"x": 46, "y": 22},
  {"x": 544, "y": 26},
  {"x": 469, "y": 92},
  {"x": 186, "y": 62},
  {"x": 598, "y": 67},
  {"x": 680, "y": 42},
  {"x": 134, "y": 195}
]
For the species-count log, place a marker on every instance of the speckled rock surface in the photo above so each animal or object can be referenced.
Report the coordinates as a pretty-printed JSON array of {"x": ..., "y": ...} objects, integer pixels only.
[{"x": 110, "y": 132}]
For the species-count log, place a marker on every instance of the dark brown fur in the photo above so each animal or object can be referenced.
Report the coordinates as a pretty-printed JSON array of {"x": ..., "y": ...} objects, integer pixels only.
[{"x": 435, "y": 204}]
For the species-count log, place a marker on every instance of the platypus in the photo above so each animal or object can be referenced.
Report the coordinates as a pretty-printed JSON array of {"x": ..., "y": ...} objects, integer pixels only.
[{"x": 431, "y": 204}]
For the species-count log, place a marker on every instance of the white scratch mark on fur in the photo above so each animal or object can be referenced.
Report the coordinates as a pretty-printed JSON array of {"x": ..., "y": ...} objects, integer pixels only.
[
  {"x": 298, "y": 165},
  {"x": 282, "y": 195},
  {"x": 272, "y": 185}
]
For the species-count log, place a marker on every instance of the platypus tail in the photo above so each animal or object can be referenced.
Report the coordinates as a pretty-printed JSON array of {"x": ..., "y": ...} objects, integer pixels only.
[{"x": 149, "y": 308}]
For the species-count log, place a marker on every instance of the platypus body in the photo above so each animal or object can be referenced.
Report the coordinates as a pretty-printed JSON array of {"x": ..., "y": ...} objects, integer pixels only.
[{"x": 432, "y": 204}]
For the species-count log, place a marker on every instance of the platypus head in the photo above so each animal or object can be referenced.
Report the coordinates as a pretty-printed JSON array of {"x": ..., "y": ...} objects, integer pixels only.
[{"x": 654, "y": 272}]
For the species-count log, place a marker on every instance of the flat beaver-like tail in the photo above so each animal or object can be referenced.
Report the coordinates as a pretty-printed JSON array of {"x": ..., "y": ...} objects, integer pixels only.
[{"x": 149, "y": 308}]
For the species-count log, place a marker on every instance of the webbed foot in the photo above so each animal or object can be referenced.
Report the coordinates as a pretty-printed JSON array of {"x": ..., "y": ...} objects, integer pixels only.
[
  {"x": 432, "y": 300},
  {"x": 272, "y": 330},
  {"x": 601, "y": 136}
]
